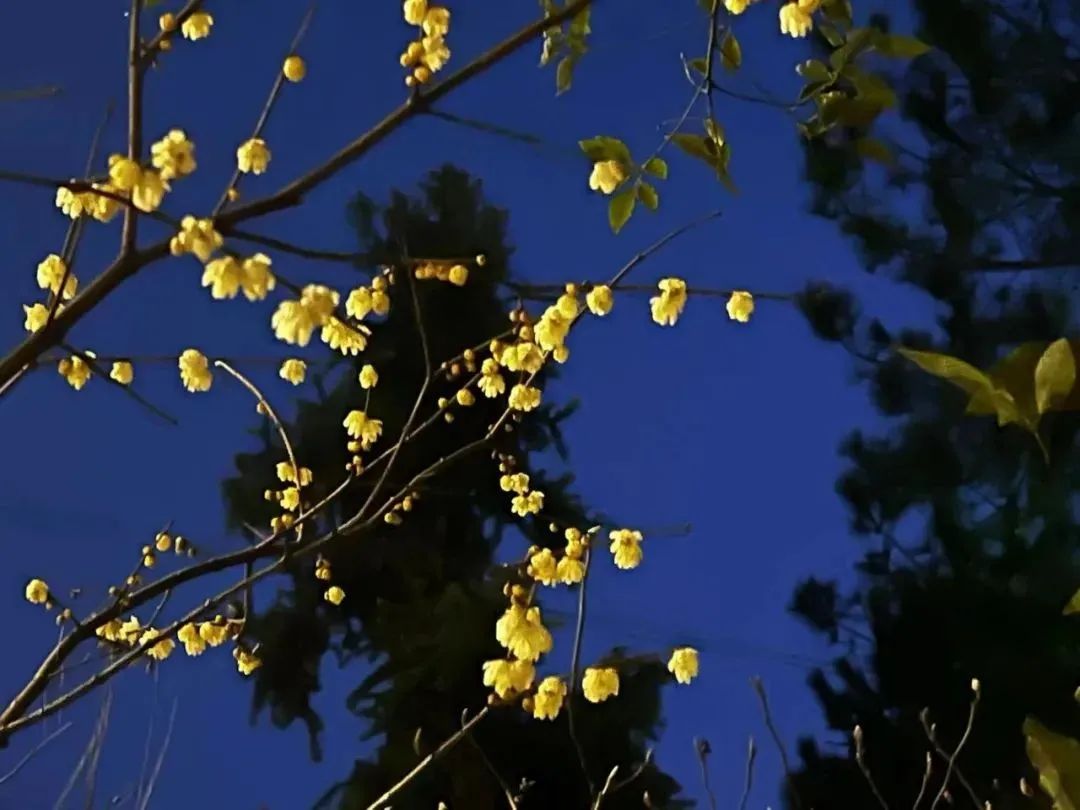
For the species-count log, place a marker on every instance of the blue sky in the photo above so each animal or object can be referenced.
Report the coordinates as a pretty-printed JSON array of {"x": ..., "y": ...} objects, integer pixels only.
[{"x": 730, "y": 428}]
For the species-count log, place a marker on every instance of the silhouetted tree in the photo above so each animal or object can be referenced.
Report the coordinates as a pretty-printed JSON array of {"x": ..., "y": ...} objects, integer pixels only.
[
  {"x": 423, "y": 597},
  {"x": 970, "y": 537}
]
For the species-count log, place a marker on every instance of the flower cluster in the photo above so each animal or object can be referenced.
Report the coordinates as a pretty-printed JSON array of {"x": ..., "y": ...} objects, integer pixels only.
[{"x": 428, "y": 53}]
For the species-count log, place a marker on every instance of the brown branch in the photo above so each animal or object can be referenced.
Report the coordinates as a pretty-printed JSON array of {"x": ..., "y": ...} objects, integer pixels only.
[
  {"x": 128, "y": 390},
  {"x": 510, "y": 800},
  {"x": 751, "y": 757},
  {"x": 135, "y": 88},
  {"x": 294, "y": 192},
  {"x": 154, "y": 44},
  {"x": 759, "y": 688},
  {"x": 447, "y": 744},
  {"x": 346, "y": 257},
  {"x": 264, "y": 116}
]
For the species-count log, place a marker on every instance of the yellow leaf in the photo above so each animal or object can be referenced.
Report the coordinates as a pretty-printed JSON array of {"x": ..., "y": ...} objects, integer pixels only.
[
  {"x": 1055, "y": 375},
  {"x": 1057, "y": 758},
  {"x": 986, "y": 398}
]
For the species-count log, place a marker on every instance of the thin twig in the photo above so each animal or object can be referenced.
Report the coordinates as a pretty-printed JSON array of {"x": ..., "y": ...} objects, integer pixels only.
[
  {"x": 128, "y": 390},
  {"x": 510, "y": 800},
  {"x": 264, "y": 116},
  {"x": 925, "y": 780},
  {"x": 860, "y": 760},
  {"x": 29, "y": 93},
  {"x": 96, "y": 737},
  {"x": 702, "y": 749},
  {"x": 160, "y": 759},
  {"x": 607, "y": 786},
  {"x": 759, "y": 689},
  {"x": 381, "y": 802},
  {"x": 931, "y": 735},
  {"x": 34, "y": 751},
  {"x": 959, "y": 746},
  {"x": 748, "y": 784},
  {"x": 575, "y": 664}
]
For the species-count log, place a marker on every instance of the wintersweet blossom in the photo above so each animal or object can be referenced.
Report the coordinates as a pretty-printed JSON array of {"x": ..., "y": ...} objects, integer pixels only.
[
  {"x": 75, "y": 370},
  {"x": 599, "y": 300},
  {"x": 293, "y": 371},
  {"x": 195, "y": 371},
  {"x": 549, "y": 697},
  {"x": 626, "y": 548},
  {"x": 740, "y": 306},
  {"x": 600, "y": 683},
  {"x": 507, "y": 677},
  {"x": 543, "y": 567},
  {"x": 196, "y": 236},
  {"x": 607, "y": 175},
  {"x": 524, "y": 398},
  {"x": 50, "y": 272},
  {"x": 668, "y": 305},
  {"x": 122, "y": 372},
  {"x": 684, "y": 664},
  {"x": 37, "y": 592},
  {"x": 197, "y": 25},
  {"x": 253, "y": 156},
  {"x": 246, "y": 662},
  {"x": 36, "y": 315},
  {"x": 491, "y": 382},
  {"x": 222, "y": 276},
  {"x": 174, "y": 155},
  {"x": 194, "y": 644},
  {"x": 334, "y": 595},
  {"x": 256, "y": 280},
  {"x": 369, "y": 377},
  {"x": 796, "y": 20}
]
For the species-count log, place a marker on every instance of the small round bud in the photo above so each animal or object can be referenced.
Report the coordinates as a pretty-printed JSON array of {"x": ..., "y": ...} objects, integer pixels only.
[
  {"x": 481, "y": 259},
  {"x": 165, "y": 44},
  {"x": 167, "y": 23},
  {"x": 233, "y": 194},
  {"x": 294, "y": 68}
]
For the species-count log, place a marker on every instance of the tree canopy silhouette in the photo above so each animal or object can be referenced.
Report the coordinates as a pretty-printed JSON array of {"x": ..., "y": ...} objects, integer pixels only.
[
  {"x": 970, "y": 536},
  {"x": 423, "y": 596}
]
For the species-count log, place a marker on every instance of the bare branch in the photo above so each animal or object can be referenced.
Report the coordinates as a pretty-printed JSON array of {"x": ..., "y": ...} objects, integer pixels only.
[
  {"x": 759, "y": 688},
  {"x": 135, "y": 87},
  {"x": 33, "y": 752},
  {"x": 751, "y": 757}
]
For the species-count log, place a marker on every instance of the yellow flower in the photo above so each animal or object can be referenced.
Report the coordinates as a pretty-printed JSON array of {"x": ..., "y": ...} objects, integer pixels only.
[
  {"x": 795, "y": 21},
  {"x": 174, "y": 155},
  {"x": 292, "y": 323},
  {"x": 37, "y": 592},
  {"x": 465, "y": 398},
  {"x": 160, "y": 651},
  {"x": 36, "y": 315},
  {"x": 359, "y": 426},
  {"x": 74, "y": 204},
  {"x": 529, "y": 504},
  {"x": 214, "y": 633},
  {"x": 560, "y": 354},
  {"x": 524, "y": 356},
  {"x": 369, "y": 377},
  {"x": 285, "y": 473},
  {"x": 436, "y": 53},
  {"x": 567, "y": 304},
  {"x": 524, "y": 398},
  {"x": 194, "y": 644},
  {"x": 491, "y": 381},
  {"x": 75, "y": 370},
  {"x": 148, "y": 192},
  {"x": 124, "y": 172},
  {"x": 737, "y": 6},
  {"x": 626, "y": 546},
  {"x": 104, "y": 208},
  {"x": 294, "y": 68},
  {"x": 458, "y": 275},
  {"x": 320, "y": 301},
  {"x": 518, "y": 483},
  {"x": 600, "y": 300},
  {"x": 257, "y": 280},
  {"x": 196, "y": 236},
  {"x": 253, "y": 156},
  {"x": 130, "y": 630},
  {"x": 246, "y": 662},
  {"x": 358, "y": 304},
  {"x": 570, "y": 571},
  {"x": 668, "y": 306},
  {"x": 549, "y": 698},
  {"x": 684, "y": 664},
  {"x": 123, "y": 372},
  {"x": 293, "y": 371},
  {"x": 334, "y": 595},
  {"x": 740, "y": 306},
  {"x": 380, "y": 301},
  {"x": 50, "y": 272},
  {"x": 507, "y": 677},
  {"x": 167, "y": 23},
  {"x": 222, "y": 276},
  {"x": 322, "y": 570},
  {"x": 522, "y": 632},
  {"x": 290, "y": 499},
  {"x": 607, "y": 175},
  {"x": 197, "y": 26},
  {"x": 599, "y": 684},
  {"x": 110, "y": 631},
  {"x": 415, "y": 11},
  {"x": 552, "y": 328},
  {"x": 543, "y": 567},
  {"x": 437, "y": 21},
  {"x": 195, "y": 371},
  {"x": 344, "y": 338}
]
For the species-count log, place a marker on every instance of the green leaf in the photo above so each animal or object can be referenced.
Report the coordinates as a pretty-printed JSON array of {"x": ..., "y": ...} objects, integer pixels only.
[
  {"x": 1055, "y": 375},
  {"x": 870, "y": 88},
  {"x": 564, "y": 75},
  {"x": 715, "y": 130},
  {"x": 839, "y": 11},
  {"x": 694, "y": 145},
  {"x": 647, "y": 194},
  {"x": 1073, "y": 606},
  {"x": 812, "y": 89},
  {"x": 873, "y": 149},
  {"x": 858, "y": 41},
  {"x": 901, "y": 47},
  {"x": 604, "y": 147},
  {"x": 730, "y": 51},
  {"x": 1057, "y": 759},
  {"x": 814, "y": 70},
  {"x": 620, "y": 208},
  {"x": 657, "y": 167},
  {"x": 832, "y": 34},
  {"x": 699, "y": 63}
]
